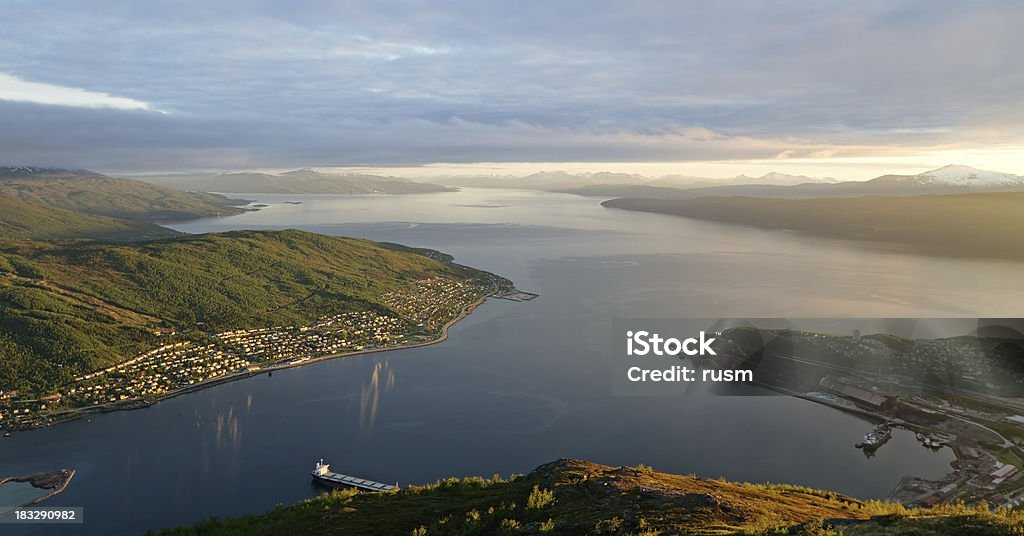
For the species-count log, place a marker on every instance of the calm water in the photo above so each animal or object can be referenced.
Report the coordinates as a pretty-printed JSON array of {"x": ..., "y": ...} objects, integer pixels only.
[
  {"x": 518, "y": 384},
  {"x": 13, "y": 494}
]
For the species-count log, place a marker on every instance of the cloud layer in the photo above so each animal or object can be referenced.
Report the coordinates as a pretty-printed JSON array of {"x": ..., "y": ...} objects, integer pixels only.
[{"x": 116, "y": 84}]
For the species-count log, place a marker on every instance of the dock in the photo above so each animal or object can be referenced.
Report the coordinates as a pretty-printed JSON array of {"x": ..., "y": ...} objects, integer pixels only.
[{"x": 322, "y": 474}]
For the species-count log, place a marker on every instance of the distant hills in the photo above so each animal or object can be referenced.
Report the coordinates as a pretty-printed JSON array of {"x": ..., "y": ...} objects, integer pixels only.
[
  {"x": 88, "y": 192},
  {"x": 945, "y": 180},
  {"x": 571, "y": 182},
  {"x": 952, "y": 211},
  {"x": 23, "y": 172},
  {"x": 957, "y": 225},
  {"x": 773, "y": 178},
  {"x": 30, "y": 221},
  {"x": 546, "y": 180},
  {"x": 300, "y": 181}
]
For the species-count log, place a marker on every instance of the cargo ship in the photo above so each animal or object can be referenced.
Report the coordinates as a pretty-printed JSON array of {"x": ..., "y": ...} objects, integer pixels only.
[{"x": 323, "y": 475}]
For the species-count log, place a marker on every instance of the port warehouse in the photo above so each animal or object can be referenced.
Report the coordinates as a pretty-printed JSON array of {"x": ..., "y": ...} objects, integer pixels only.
[{"x": 857, "y": 392}]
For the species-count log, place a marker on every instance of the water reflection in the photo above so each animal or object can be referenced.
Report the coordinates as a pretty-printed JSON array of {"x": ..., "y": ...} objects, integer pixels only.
[
  {"x": 381, "y": 381},
  {"x": 227, "y": 434}
]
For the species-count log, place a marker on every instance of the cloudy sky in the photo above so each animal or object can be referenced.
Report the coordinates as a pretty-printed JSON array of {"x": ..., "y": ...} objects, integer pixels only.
[{"x": 841, "y": 88}]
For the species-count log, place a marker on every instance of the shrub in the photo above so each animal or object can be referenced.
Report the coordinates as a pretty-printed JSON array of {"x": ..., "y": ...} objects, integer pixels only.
[
  {"x": 766, "y": 524},
  {"x": 884, "y": 508},
  {"x": 509, "y": 525},
  {"x": 608, "y": 526},
  {"x": 540, "y": 498}
]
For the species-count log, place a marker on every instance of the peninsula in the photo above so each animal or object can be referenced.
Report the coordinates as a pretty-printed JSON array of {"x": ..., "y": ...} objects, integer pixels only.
[{"x": 91, "y": 326}]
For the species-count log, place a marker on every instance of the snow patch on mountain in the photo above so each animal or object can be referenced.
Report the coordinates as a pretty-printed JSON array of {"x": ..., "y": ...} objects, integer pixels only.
[{"x": 968, "y": 177}]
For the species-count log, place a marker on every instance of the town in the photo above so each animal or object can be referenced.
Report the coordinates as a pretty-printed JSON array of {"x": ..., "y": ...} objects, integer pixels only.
[{"x": 417, "y": 316}]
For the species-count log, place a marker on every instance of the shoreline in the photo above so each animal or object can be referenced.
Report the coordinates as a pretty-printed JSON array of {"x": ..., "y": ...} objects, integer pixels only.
[{"x": 128, "y": 405}]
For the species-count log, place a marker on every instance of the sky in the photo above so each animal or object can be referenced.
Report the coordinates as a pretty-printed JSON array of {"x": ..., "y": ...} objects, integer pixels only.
[{"x": 715, "y": 88}]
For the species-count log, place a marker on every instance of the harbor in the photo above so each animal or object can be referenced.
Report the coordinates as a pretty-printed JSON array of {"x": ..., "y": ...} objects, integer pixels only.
[{"x": 27, "y": 490}]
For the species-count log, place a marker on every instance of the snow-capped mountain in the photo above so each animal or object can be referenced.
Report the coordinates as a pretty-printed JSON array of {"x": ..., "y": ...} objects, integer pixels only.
[
  {"x": 7, "y": 172},
  {"x": 946, "y": 179},
  {"x": 968, "y": 177}
]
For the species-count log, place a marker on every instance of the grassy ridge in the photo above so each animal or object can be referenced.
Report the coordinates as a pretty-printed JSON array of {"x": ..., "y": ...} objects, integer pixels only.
[
  {"x": 572, "y": 497},
  {"x": 972, "y": 225},
  {"x": 565, "y": 497},
  {"x": 23, "y": 220},
  {"x": 69, "y": 308},
  {"x": 92, "y": 193}
]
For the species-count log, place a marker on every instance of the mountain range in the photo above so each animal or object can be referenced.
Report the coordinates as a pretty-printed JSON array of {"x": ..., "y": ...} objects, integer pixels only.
[
  {"x": 561, "y": 180},
  {"x": 300, "y": 181},
  {"x": 945, "y": 180}
]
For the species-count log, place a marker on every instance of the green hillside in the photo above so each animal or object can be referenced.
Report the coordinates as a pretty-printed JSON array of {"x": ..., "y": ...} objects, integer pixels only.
[
  {"x": 70, "y": 308},
  {"x": 23, "y": 220},
  {"x": 572, "y": 497},
  {"x": 976, "y": 225},
  {"x": 91, "y": 193}
]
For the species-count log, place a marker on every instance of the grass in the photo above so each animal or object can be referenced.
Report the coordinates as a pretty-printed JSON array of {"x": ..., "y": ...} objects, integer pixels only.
[
  {"x": 574, "y": 497},
  {"x": 565, "y": 497}
]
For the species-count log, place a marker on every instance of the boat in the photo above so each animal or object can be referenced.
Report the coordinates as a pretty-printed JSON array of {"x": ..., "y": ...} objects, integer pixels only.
[
  {"x": 323, "y": 475},
  {"x": 930, "y": 441},
  {"x": 875, "y": 438}
]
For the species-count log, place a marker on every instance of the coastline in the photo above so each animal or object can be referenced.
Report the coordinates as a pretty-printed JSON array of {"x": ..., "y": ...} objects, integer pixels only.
[
  {"x": 956, "y": 474},
  {"x": 78, "y": 413}
]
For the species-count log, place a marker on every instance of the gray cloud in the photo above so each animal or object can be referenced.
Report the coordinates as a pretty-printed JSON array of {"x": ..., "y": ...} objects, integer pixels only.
[{"x": 340, "y": 83}]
